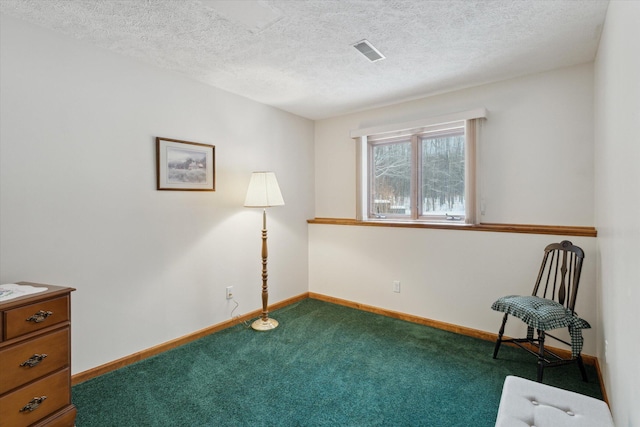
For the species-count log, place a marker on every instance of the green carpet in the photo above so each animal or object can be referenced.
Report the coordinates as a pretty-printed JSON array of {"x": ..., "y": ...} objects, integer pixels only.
[{"x": 325, "y": 365}]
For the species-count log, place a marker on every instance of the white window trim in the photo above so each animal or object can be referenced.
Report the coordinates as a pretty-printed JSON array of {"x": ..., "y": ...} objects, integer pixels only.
[
  {"x": 416, "y": 125},
  {"x": 470, "y": 171},
  {"x": 378, "y": 133}
]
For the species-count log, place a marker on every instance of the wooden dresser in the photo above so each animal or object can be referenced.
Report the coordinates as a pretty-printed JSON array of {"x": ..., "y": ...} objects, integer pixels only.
[{"x": 35, "y": 359}]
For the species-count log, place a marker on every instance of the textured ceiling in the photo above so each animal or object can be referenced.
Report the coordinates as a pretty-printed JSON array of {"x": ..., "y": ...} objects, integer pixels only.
[{"x": 297, "y": 55}]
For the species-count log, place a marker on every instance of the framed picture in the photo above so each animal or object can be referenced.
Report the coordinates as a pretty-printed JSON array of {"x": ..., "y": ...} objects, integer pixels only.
[{"x": 186, "y": 166}]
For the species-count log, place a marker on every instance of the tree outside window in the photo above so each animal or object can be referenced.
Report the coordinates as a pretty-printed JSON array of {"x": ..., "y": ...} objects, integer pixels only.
[{"x": 420, "y": 176}]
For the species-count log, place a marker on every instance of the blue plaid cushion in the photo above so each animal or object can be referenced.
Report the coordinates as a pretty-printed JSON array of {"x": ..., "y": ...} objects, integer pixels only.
[{"x": 544, "y": 314}]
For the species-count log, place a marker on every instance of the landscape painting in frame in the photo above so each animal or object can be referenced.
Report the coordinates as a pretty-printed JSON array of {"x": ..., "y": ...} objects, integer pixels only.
[{"x": 183, "y": 165}]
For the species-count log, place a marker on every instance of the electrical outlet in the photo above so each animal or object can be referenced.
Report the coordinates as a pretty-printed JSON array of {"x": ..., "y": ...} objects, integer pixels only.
[
  {"x": 229, "y": 292},
  {"x": 396, "y": 286}
]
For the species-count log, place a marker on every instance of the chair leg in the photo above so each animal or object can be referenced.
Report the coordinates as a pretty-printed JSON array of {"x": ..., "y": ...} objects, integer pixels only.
[
  {"x": 500, "y": 334},
  {"x": 582, "y": 370},
  {"x": 540, "y": 354}
]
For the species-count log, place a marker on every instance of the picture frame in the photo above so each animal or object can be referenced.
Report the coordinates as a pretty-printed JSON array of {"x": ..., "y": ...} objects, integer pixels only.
[{"x": 184, "y": 165}]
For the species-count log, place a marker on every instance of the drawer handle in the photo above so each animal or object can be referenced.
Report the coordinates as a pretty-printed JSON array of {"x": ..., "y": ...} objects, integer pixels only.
[
  {"x": 33, "y": 360},
  {"x": 40, "y": 316},
  {"x": 33, "y": 405}
]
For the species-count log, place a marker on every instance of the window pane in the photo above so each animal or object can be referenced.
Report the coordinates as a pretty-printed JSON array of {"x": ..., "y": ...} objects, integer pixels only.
[
  {"x": 391, "y": 179},
  {"x": 442, "y": 190}
]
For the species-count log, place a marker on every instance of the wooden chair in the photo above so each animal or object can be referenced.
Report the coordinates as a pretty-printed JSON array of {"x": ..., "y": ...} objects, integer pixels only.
[{"x": 550, "y": 306}]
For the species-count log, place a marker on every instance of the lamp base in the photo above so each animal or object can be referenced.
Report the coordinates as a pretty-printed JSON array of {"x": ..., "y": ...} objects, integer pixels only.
[{"x": 264, "y": 325}]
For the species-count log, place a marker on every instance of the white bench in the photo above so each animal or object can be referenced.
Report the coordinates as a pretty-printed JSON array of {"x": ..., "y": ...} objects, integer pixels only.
[{"x": 526, "y": 403}]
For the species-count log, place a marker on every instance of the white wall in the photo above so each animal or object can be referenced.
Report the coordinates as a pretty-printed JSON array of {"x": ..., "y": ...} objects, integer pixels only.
[
  {"x": 450, "y": 276},
  {"x": 79, "y": 205},
  {"x": 535, "y": 167},
  {"x": 617, "y": 182},
  {"x": 535, "y": 149}
]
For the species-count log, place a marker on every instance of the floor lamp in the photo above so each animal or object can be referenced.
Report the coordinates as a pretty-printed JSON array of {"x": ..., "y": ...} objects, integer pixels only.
[{"x": 264, "y": 192}]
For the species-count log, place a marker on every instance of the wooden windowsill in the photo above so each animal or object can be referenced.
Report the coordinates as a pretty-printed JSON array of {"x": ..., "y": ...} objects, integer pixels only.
[{"x": 560, "y": 230}]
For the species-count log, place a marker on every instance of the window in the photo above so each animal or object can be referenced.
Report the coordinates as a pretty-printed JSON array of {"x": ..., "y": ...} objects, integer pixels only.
[{"x": 424, "y": 173}]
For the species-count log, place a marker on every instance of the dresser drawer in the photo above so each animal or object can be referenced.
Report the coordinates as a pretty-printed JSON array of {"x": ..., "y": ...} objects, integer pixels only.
[
  {"x": 36, "y": 316},
  {"x": 55, "y": 387},
  {"x": 54, "y": 345},
  {"x": 64, "y": 418}
]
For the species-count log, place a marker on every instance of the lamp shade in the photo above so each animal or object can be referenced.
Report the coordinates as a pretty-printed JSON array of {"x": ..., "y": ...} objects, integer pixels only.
[{"x": 263, "y": 191}]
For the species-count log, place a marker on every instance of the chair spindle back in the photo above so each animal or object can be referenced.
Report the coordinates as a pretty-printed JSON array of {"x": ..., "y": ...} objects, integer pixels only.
[{"x": 559, "y": 275}]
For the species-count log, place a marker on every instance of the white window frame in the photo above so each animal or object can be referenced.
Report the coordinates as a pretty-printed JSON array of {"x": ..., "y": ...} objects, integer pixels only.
[{"x": 412, "y": 131}]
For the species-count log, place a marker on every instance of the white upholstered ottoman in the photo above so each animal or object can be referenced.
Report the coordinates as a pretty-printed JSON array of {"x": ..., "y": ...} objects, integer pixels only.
[{"x": 529, "y": 403}]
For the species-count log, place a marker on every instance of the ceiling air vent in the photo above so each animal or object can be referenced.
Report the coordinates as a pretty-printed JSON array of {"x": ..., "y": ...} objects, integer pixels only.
[{"x": 367, "y": 49}]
